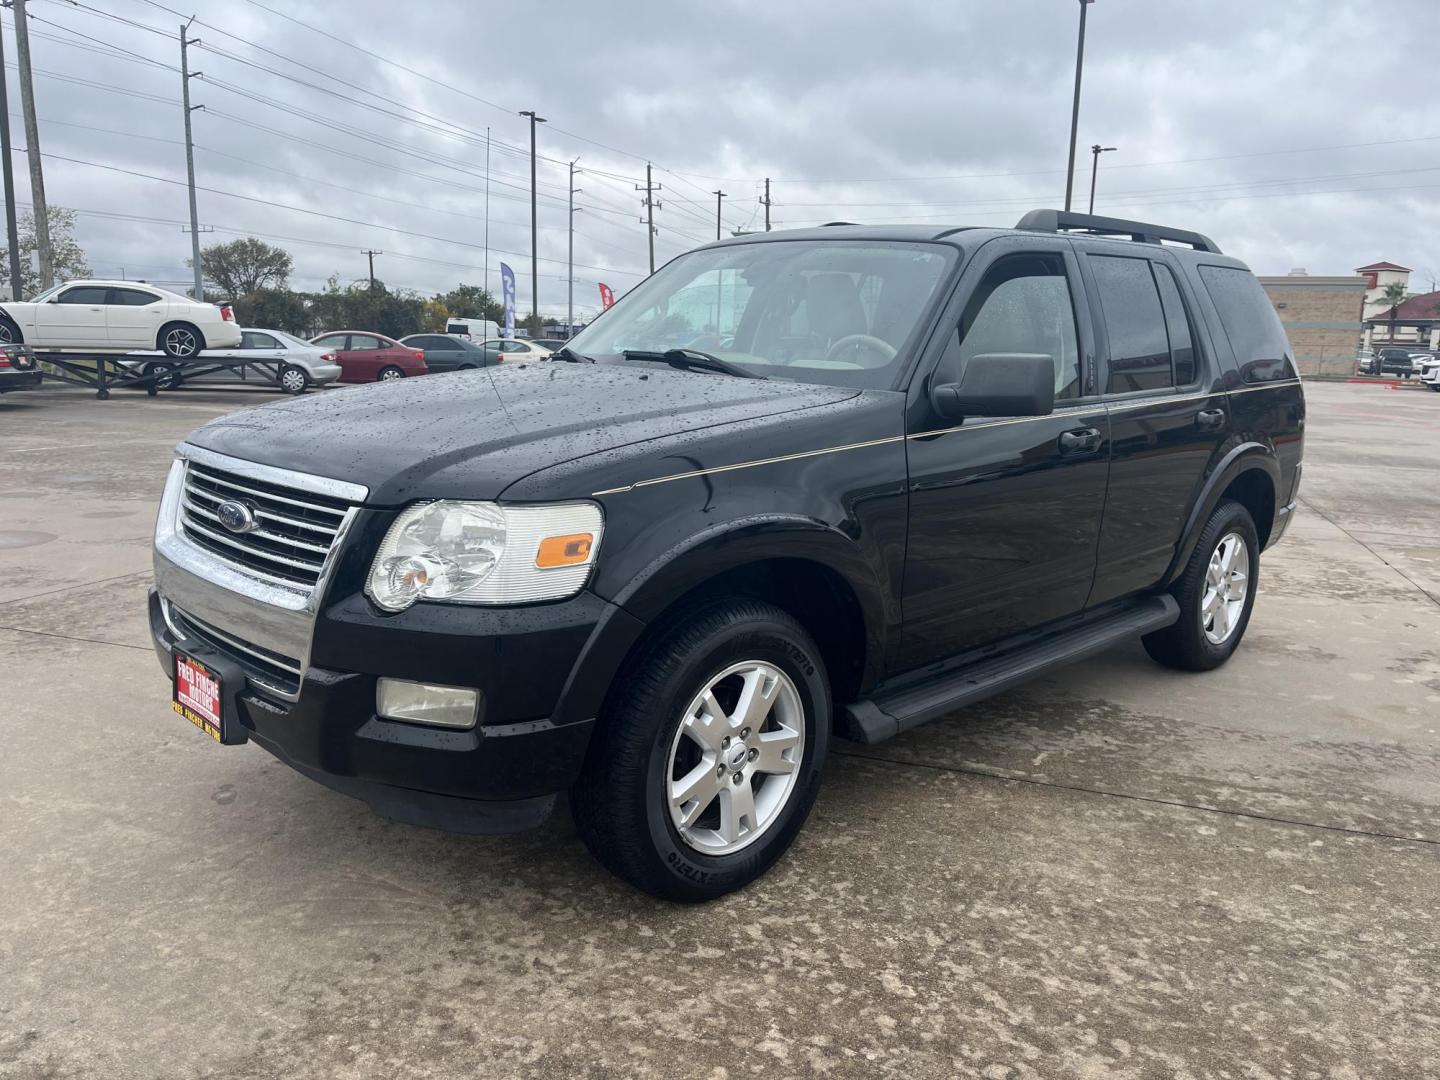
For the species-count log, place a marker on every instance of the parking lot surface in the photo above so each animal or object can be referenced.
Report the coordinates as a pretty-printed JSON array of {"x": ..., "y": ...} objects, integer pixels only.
[{"x": 1118, "y": 871}]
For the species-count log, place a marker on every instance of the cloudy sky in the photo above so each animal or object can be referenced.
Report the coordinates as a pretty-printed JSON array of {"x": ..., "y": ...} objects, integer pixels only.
[{"x": 1297, "y": 134}]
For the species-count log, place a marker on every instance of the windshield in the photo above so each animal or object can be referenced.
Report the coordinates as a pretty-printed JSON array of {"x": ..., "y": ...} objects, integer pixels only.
[{"x": 838, "y": 312}]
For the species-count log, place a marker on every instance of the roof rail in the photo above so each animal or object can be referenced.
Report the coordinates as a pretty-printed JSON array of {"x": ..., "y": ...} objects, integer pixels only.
[{"x": 1064, "y": 221}]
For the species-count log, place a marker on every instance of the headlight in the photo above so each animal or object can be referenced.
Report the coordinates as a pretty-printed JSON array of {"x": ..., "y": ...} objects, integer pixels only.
[{"x": 485, "y": 553}]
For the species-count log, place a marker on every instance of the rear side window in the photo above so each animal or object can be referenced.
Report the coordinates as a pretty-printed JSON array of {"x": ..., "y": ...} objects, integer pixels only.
[
  {"x": 364, "y": 341},
  {"x": 1135, "y": 321},
  {"x": 132, "y": 297},
  {"x": 1177, "y": 324},
  {"x": 1250, "y": 322}
]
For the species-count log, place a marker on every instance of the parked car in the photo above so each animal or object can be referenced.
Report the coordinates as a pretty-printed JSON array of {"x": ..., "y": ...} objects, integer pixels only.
[
  {"x": 935, "y": 463},
  {"x": 476, "y": 330},
  {"x": 1365, "y": 361},
  {"x": 517, "y": 350},
  {"x": 447, "y": 352},
  {"x": 1394, "y": 361},
  {"x": 118, "y": 316},
  {"x": 263, "y": 358},
  {"x": 549, "y": 344},
  {"x": 368, "y": 357},
  {"x": 1428, "y": 370},
  {"x": 18, "y": 369}
]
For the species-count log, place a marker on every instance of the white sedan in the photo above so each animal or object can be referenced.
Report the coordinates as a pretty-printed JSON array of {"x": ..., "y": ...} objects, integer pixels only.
[
  {"x": 516, "y": 350},
  {"x": 118, "y": 316}
]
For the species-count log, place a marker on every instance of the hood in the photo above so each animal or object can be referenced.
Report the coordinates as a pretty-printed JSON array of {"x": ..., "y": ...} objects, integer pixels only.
[{"x": 471, "y": 434}]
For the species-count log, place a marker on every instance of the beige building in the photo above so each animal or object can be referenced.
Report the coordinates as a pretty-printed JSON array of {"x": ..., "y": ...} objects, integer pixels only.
[{"x": 1323, "y": 318}]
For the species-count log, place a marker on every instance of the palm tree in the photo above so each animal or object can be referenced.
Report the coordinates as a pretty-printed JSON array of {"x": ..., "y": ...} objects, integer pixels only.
[{"x": 1393, "y": 294}]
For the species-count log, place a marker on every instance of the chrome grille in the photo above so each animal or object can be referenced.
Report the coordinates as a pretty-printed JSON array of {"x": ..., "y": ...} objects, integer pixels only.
[
  {"x": 264, "y": 668},
  {"x": 296, "y": 528}
]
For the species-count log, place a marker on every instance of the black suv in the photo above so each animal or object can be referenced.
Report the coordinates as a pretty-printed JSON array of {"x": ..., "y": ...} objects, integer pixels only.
[
  {"x": 1395, "y": 362},
  {"x": 927, "y": 465}
]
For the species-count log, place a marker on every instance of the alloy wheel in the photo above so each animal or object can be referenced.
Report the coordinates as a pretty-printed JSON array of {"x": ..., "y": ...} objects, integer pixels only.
[
  {"x": 1227, "y": 583},
  {"x": 181, "y": 342},
  {"x": 391, "y": 374},
  {"x": 735, "y": 758}
]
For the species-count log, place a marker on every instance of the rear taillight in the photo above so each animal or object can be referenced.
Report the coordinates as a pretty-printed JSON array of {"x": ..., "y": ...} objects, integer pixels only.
[
  {"x": 329, "y": 357},
  {"x": 226, "y": 313},
  {"x": 420, "y": 356}
]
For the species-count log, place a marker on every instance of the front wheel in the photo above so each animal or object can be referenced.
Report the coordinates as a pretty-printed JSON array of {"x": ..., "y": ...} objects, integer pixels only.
[
  {"x": 390, "y": 374},
  {"x": 1216, "y": 594},
  {"x": 164, "y": 376},
  {"x": 293, "y": 380},
  {"x": 705, "y": 765}
]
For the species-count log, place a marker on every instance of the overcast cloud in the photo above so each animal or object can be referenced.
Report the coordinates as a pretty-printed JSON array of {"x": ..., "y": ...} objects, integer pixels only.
[{"x": 1296, "y": 134}]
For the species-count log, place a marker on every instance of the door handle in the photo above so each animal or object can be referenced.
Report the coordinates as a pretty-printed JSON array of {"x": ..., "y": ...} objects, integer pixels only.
[
  {"x": 1080, "y": 441},
  {"x": 1210, "y": 419}
]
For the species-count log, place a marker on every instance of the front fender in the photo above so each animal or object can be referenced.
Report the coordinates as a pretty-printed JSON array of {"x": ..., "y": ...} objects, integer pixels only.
[{"x": 1236, "y": 461}]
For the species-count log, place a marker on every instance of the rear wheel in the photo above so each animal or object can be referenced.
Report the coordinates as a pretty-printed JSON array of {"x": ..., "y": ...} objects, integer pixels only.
[
  {"x": 10, "y": 332},
  {"x": 293, "y": 380},
  {"x": 390, "y": 374},
  {"x": 705, "y": 765},
  {"x": 1216, "y": 594},
  {"x": 180, "y": 340}
]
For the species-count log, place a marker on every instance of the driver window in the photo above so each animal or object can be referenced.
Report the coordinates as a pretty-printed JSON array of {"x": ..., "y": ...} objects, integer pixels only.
[{"x": 1022, "y": 305}]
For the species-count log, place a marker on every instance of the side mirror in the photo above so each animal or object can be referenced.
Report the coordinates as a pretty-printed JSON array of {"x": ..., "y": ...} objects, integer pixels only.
[{"x": 999, "y": 384}]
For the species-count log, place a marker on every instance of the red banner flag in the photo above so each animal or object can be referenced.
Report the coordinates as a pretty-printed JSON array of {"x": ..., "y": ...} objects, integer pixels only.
[{"x": 607, "y": 297}]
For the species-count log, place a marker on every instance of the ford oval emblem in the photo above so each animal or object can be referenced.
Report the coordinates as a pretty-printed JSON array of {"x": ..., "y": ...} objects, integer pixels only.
[{"x": 236, "y": 516}]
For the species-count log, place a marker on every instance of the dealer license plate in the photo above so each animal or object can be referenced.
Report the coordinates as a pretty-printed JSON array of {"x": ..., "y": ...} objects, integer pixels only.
[{"x": 198, "y": 697}]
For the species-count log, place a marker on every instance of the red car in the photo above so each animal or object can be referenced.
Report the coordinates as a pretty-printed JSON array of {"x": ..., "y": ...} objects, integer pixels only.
[{"x": 370, "y": 357}]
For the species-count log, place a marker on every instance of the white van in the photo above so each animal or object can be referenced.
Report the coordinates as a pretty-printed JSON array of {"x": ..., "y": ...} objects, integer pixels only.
[{"x": 475, "y": 329}]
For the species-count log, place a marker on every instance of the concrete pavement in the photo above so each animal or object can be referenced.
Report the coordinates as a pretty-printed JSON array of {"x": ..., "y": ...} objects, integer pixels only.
[{"x": 1116, "y": 872}]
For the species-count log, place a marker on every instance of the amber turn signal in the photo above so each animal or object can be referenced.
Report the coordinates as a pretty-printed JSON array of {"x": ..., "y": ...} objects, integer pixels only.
[{"x": 564, "y": 550}]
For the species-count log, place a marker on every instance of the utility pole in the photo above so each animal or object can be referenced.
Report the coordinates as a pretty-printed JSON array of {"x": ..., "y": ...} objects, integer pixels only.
[
  {"x": 718, "y": 196},
  {"x": 651, "y": 205},
  {"x": 534, "y": 223},
  {"x": 765, "y": 202},
  {"x": 185, "y": 77},
  {"x": 372, "y": 255},
  {"x": 1075, "y": 109},
  {"x": 10, "y": 228},
  {"x": 570, "y": 289},
  {"x": 487, "y": 211},
  {"x": 1095, "y": 152},
  {"x": 32, "y": 148}
]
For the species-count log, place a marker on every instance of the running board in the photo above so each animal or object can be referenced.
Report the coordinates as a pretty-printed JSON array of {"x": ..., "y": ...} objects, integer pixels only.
[{"x": 889, "y": 712}]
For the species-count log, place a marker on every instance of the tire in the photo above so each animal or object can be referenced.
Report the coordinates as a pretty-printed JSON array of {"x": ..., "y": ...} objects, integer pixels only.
[
  {"x": 389, "y": 374},
  {"x": 180, "y": 341},
  {"x": 293, "y": 380},
  {"x": 1190, "y": 644},
  {"x": 621, "y": 802},
  {"x": 466, "y": 367},
  {"x": 167, "y": 376},
  {"x": 10, "y": 331}
]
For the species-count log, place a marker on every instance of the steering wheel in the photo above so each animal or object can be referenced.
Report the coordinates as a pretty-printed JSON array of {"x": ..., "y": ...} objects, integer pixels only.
[{"x": 849, "y": 341}]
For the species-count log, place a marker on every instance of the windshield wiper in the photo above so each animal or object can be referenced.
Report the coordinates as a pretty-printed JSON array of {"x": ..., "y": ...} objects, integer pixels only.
[
  {"x": 570, "y": 356},
  {"x": 692, "y": 360}
]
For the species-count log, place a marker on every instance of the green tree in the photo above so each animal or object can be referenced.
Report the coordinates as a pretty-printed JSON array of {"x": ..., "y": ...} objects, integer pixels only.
[
  {"x": 241, "y": 267},
  {"x": 359, "y": 307},
  {"x": 1394, "y": 295},
  {"x": 273, "y": 309},
  {"x": 472, "y": 302},
  {"x": 69, "y": 257}
]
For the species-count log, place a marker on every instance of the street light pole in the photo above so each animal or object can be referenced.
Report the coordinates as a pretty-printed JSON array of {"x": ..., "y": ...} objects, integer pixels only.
[
  {"x": 1075, "y": 108},
  {"x": 11, "y": 232},
  {"x": 1095, "y": 152},
  {"x": 718, "y": 196},
  {"x": 534, "y": 223},
  {"x": 570, "y": 293}
]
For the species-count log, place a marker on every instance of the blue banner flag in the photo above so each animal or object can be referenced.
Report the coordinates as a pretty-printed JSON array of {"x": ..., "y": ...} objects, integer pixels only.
[{"x": 507, "y": 287}]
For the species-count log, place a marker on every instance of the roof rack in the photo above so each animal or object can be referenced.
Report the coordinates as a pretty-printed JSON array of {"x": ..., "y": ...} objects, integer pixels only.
[{"x": 1064, "y": 221}]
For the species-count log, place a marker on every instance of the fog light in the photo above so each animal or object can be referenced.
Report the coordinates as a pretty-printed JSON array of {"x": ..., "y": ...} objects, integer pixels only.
[{"x": 427, "y": 703}]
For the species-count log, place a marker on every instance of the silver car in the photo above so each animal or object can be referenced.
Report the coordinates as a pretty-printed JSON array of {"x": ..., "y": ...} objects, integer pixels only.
[{"x": 263, "y": 358}]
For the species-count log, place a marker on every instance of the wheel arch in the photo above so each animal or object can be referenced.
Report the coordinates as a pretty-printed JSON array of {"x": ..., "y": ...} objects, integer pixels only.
[
  {"x": 1248, "y": 473},
  {"x": 170, "y": 324}
]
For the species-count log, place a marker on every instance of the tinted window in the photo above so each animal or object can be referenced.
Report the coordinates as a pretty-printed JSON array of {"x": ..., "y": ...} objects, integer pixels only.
[
  {"x": 132, "y": 297},
  {"x": 1022, "y": 305},
  {"x": 1139, "y": 344},
  {"x": 457, "y": 328},
  {"x": 1250, "y": 322},
  {"x": 365, "y": 341},
  {"x": 1177, "y": 324},
  {"x": 83, "y": 294}
]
